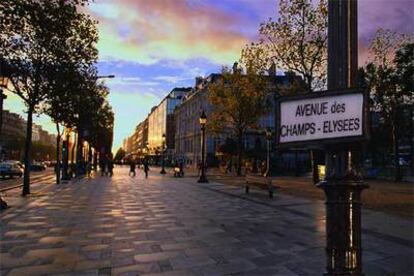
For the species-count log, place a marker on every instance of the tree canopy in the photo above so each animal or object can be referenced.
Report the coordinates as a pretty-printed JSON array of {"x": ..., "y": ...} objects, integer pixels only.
[
  {"x": 50, "y": 49},
  {"x": 296, "y": 42},
  {"x": 239, "y": 100}
]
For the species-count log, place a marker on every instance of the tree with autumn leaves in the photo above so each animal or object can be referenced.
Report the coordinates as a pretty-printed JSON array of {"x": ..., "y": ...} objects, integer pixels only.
[{"x": 239, "y": 99}]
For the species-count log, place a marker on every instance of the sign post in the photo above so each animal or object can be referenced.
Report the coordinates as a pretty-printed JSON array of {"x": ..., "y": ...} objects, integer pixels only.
[{"x": 337, "y": 121}]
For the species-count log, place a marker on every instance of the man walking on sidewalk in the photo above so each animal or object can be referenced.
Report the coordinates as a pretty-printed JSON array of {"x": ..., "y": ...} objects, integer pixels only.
[
  {"x": 146, "y": 168},
  {"x": 132, "y": 166}
]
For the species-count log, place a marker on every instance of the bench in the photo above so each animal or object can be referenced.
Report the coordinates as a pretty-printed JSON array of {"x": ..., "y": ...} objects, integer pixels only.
[{"x": 261, "y": 182}]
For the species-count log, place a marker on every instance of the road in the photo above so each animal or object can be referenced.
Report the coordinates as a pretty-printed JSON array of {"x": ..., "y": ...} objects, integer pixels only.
[
  {"x": 168, "y": 226},
  {"x": 36, "y": 179}
]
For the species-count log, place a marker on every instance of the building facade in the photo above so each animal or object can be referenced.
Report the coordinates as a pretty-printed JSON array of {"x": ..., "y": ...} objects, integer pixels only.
[
  {"x": 13, "y": 126},
  {"x": 13, "y": 135},
  {"x": 188, "y": 130},
  {"x": 187, "y": 125},
  {"x": 161, "y": 122}
]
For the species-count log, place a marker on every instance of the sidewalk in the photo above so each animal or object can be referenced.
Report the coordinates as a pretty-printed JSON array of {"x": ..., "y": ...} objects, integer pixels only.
[
  {"x": 176, "y": 226},
  {"x": 385, "y": 196}
]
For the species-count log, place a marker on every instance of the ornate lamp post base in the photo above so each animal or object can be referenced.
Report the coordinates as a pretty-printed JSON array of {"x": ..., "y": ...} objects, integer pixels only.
[
  {"x": 343, "y": 226},
  {"x": 343, "y": 187}
]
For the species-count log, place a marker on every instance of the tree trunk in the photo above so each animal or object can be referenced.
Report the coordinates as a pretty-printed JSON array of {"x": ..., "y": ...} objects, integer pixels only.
[
  {"x": 57, "y": 168},
  {"x": 239, "y": 153},
  {"x": 28, "y": 144},
  {"x": 397, "y": 173}
]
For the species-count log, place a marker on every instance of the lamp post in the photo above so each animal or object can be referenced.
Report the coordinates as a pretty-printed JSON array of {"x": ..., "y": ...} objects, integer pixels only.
[
  {"x": 162, "y": 155},
  {"x": 3, "y": 84},
  {"x": 203, "y": 122},
  {"x": 343, "y": 183},
  {"x": 268, "y": 132}
]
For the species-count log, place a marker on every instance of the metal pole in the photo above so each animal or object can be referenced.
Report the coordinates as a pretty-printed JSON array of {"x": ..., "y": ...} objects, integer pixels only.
[
  {"x": 343, "y": 182},
  {"x": 203, "y": 178},
  {"x": 162, "y": 159},
  {"x": 2, "y": 97},
  {"x": 3, "y": 204}
]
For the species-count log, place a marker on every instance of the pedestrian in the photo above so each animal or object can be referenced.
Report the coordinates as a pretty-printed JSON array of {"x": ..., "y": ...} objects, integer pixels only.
[
  {"x": 88, "y": 169},
  {"x": 102, "y": 164},
  {"x": 181, "y": 165},
  {"x": 110, "y": 167},
  {"x": 146, "y": 168},
  {"x": 132, "y": 166},
  {"x": 228, "y": 166}
]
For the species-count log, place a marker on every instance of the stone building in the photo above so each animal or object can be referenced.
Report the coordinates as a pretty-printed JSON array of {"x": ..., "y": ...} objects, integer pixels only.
[
  {"x": 13, "y": 126},
  {"x": 188, "y": 130}
]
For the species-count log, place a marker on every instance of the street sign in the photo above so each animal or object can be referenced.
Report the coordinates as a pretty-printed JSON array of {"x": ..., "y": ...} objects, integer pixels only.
[{"x": 321, "y": 117}]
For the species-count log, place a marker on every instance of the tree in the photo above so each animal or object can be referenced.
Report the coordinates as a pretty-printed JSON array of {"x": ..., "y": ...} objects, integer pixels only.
[
  {"x": 239, "y": 100},
  {"x": 29, "y": 40},
  {"x": 120, "y": 154},
  {"x": 389, "y": 78},
  {"x": 296, "y": 43},
  {"x": 75, "y": 55}
]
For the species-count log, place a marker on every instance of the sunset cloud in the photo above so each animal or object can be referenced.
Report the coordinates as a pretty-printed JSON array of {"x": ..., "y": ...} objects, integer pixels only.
[
  {"x": 149, "y": 31},
  {"x": 154, "y": 45}
]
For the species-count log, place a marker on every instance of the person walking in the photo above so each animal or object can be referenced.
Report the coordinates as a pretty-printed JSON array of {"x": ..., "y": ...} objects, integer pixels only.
[
  {"x": 132, "y": 167},
  {"x": 102, "y": 164},
  {"x": 110, "y": 166},
  {"x": 146, "y": 168},
  {"x": 88, "y": 169}
]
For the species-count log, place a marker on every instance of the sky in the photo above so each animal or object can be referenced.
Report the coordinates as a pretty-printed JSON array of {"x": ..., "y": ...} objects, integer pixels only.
[{"x": 152, "y": 46}]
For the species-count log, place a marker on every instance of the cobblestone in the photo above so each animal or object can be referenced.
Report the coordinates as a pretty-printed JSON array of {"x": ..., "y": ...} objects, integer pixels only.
[{"x": 168, "y": 226}]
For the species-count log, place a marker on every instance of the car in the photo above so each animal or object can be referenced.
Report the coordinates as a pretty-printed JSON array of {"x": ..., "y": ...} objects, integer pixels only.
[
  {"x": 10, "y": 170},
  {"x": 18, "y": 163},
  {"x": 37, "y": 166}
]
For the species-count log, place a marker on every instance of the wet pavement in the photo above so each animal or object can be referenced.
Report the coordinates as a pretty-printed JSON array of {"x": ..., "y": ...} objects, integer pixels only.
[{"x": 163, "y": 225}]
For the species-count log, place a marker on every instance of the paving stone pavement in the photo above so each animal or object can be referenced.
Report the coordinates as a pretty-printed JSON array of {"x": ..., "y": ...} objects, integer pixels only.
[{"x": 167, "y": 226}]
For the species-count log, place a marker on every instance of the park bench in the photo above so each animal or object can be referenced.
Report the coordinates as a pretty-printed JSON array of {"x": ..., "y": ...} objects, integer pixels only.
[{"x": 260, "y": 182}]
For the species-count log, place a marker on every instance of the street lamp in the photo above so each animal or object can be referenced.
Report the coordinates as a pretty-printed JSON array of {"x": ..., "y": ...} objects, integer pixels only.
[
  {"x": 162, "y": 155},
  {"x": 268, "y": 132},
  {"x": 203, "y": 122},
  {"x": 3, "y": 84}
]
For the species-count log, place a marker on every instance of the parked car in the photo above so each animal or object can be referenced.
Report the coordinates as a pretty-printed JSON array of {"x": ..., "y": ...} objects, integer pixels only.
[
  {"x": 10, "y": 170},
  {"x": 37, "y": 167},
  {"x": 50, "y": 163},
  {"x": 18, "y": 163}
]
